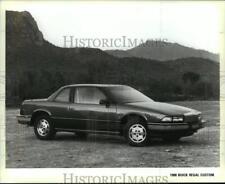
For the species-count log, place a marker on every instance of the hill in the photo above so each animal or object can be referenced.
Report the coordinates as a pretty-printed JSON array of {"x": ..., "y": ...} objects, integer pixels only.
[
  {"x": 163, "y": 51},
  {"x": 35, "y": 68}
]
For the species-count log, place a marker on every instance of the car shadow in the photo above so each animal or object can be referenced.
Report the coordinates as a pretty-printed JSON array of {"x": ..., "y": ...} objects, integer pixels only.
[
  {"x": 112, "y": 139},
  {"x": 91, "y": 138},
  {"x": 160, "y": 142}
]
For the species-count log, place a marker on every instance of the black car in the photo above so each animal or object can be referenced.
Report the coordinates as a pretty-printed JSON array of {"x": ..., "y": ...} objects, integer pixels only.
[{"x": 111, "y": 109}]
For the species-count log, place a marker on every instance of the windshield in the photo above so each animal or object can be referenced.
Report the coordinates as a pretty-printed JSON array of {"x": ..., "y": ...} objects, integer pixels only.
[{"x": 126, "y": 94}]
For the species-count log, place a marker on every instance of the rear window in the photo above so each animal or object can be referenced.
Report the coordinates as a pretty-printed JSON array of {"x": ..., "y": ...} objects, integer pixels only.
[{"x": 88, "y": 95}]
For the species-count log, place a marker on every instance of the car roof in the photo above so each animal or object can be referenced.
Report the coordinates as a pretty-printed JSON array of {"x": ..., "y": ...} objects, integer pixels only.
[{"x": 94, "y": 85}]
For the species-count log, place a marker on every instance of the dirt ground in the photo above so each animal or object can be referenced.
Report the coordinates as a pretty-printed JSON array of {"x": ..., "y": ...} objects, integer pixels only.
[{"x": 24, "y": 150}]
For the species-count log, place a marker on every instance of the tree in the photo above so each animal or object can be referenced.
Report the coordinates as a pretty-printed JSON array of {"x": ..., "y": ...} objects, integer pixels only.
[{"x": 190, "y": 77}]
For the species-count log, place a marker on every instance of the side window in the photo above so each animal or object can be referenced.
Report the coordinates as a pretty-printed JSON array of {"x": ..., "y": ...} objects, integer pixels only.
[
  {"x": 63, "y": 96},
  {"x": 88, "y": 95}
]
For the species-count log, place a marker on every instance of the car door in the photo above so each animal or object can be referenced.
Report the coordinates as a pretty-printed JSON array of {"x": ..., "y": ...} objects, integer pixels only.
[
  {"x": 60, "y": 108},
  {"x": 87, "y": 110}
]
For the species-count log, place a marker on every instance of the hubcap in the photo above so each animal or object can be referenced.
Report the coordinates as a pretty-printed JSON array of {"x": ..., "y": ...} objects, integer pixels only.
[
  {"x": 137, "y": 133},
  {"x": 43, "y": 127}
]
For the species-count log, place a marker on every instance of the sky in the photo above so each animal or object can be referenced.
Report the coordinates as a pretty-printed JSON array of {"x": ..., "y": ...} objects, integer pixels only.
[{"x": 193, "y": 24}]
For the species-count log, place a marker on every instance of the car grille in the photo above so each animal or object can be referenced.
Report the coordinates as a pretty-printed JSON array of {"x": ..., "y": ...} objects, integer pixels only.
[{"x": 192, "y": 119}]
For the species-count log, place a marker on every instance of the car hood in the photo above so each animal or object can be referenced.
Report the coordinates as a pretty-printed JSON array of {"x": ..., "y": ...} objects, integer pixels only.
[{"x": 163, "y": 108}]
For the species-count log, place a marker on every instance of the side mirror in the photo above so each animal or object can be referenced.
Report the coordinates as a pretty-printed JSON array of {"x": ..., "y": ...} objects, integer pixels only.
[{"x": 104, "y": 102}]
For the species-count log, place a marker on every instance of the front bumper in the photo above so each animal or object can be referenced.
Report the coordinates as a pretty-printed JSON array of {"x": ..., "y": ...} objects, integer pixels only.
[
  {"x": 24, "y": 119},
  {"x": 174, "y": 127}
]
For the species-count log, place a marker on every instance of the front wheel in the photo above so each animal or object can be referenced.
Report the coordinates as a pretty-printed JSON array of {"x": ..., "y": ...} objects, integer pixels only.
[
  {"x": 136, "y": 132},
  {"x": 43, "y": 128}
]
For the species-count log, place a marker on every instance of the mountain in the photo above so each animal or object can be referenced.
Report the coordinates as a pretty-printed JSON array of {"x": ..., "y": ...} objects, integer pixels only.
[
  {"x": 163, "y": 51},
  {"x": 17, "y": 33},
  {"x": 35, "y": 68}
]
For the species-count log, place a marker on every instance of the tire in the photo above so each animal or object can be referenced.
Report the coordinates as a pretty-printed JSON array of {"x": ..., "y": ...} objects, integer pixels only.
[
  {"x": 82, "y": 135},
  {"x": 43, "y": 128},
  {"x": 136, "y": 132},
  {"x": 171, "y": 139}
]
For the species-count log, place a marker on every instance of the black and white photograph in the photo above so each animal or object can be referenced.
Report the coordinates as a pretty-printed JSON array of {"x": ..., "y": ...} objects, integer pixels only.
[{"x": 103, "y": 84}]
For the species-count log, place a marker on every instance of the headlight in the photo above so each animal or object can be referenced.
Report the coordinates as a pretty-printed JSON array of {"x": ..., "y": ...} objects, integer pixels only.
[
  {"x": 178, "y": 119},
  {"x": 175, "y": 119},
  {"x": 167, "y": 119}
]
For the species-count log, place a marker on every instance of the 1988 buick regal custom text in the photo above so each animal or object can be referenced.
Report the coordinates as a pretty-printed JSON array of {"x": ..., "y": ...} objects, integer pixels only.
[{"x": 115, "y": 109}]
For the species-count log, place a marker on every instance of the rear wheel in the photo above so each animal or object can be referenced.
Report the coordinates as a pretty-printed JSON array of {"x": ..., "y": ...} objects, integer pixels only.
[
  {"x": 136, "y": 132},
  {"x": 43, "y": 128}
]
